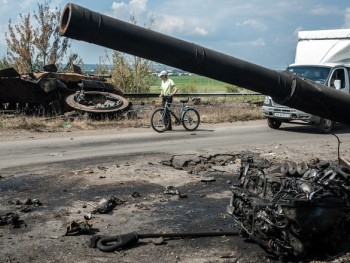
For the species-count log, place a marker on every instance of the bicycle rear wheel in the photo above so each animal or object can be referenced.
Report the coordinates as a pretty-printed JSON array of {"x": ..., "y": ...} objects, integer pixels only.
[
  {"x": 160, "y": 120},
  {"x": 190, "y": 119}
]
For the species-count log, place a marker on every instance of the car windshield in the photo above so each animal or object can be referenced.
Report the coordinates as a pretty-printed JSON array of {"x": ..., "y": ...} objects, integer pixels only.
[{"x": 317, "y": 74}]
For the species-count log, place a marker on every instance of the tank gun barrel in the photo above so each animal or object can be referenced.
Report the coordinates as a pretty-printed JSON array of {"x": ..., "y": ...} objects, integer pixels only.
[{"x": 284, "y": 87}]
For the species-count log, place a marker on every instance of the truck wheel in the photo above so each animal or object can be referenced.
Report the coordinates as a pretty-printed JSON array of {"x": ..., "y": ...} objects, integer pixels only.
[
  {"x": 273, "y": 123},
  {"x": 325, "y": 126}
]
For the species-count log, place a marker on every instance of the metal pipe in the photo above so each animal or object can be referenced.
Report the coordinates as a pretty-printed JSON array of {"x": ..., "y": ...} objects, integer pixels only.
[{"x": 284, "y": 87}]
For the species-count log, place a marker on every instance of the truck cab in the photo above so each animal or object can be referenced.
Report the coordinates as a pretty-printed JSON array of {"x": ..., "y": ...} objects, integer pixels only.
[
  {"x": 322, "y": 56},
  {"x": 332, "y": 75}
]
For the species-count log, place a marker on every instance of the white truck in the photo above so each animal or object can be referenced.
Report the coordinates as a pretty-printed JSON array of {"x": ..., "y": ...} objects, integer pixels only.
[{"x": 322, "y": 56}]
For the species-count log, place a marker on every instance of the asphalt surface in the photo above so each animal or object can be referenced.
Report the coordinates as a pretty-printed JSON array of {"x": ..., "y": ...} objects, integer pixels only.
[
  {"x": 38, "y": 148},
  {"x": 72, "y": 172}
]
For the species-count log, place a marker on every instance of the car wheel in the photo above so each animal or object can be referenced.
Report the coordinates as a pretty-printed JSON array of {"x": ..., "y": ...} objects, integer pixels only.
[
  {"x": 325, "y": 126},
  {"x": 274, "y": 123}
]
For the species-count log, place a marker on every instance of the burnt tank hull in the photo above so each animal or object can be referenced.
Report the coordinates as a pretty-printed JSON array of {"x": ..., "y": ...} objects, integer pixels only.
[
  {"x": 50, "y": 92},
  {"x": 284, "y": 87}
]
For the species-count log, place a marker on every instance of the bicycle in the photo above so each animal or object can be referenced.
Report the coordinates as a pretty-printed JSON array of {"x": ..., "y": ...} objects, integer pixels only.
[{"x": 188, "y": 116}]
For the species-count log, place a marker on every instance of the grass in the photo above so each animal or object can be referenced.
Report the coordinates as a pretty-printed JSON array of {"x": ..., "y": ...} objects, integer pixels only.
[
  {"x": 196, "y": 84},
  {"x": 214, "y": 113},
  {"x": 211, "y": 111}
]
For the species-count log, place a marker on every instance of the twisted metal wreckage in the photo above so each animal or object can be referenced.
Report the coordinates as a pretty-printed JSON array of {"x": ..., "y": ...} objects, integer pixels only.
[
  {"x": 288, "y": 209},
  {"x": 50, "y": 93},
  {"x": 293, "y": 208}
]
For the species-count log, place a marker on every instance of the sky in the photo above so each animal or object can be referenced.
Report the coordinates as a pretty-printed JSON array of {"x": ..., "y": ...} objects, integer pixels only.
[{"x": 260, "y": 32}]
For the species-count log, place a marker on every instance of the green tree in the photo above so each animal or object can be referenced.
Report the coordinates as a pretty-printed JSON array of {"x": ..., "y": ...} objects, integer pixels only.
[
  {"x": 121, "y": 72},
  {"x": 4, "y": 63},
  {"x": 30, "y": 48},
  {"x": 50, "y": 45},
  {"x": 131, "y": 73},
  {"x": 103, "y": 67},
  {"x": 20, "y": 44}
]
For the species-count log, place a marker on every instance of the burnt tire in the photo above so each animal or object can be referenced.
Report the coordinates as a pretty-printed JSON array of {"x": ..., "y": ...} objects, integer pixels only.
[
  {"x": 325, "y": 126},
  {"x": 274, "y": 123}
]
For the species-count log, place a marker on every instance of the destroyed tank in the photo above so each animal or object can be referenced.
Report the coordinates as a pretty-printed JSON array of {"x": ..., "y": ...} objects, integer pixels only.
[
  {"x": 284, "y": 87},
  {"x": 50, "y": 92},
  {"x": 281, "y": 211}
]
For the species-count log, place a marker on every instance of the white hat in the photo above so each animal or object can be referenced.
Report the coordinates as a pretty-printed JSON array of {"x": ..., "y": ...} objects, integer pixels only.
[{"x": 163, "y": 73}]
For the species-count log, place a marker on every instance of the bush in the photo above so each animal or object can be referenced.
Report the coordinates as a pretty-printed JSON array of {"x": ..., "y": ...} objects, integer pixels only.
[
  {"x": 232, "y": 89},
  {"x": 191, "y": 87}
]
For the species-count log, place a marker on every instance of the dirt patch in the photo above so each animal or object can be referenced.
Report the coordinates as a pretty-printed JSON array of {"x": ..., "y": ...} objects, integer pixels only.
[
  {"x": 68, "y": 195},
  {"x": 163, "y": 193}
]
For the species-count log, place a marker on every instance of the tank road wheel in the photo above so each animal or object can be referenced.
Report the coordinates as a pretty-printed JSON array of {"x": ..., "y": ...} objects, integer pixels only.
[
  {"x": 325, "y": 125},
  {"x": 97, "y": 102},
  {"x": 273, "y": 123}
]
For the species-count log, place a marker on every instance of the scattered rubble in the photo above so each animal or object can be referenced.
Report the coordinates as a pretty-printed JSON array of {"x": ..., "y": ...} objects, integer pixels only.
[
  {"x": 107, "y": 205},
  {"x": 26, "y": 205},
  {"x": 9, "y": 219},
  {"x": 79, "y": 227},
  {"x": 171, "y": 190},
  {"x": 289, "y": 208},
  {"x": 216, "y": 163}
]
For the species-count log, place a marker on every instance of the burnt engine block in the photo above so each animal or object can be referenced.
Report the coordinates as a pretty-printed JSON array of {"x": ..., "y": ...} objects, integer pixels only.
[{"x": 292, "y": 208}]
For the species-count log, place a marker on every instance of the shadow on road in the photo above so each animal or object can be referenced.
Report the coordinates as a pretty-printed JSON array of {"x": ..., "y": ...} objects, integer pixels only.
[{"x": 309, "y": 129}]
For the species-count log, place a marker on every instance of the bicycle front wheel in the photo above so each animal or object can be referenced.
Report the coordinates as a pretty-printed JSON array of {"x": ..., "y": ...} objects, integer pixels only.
[
  {"x": 160, "y": 120},
  {"x": 190, "y": 119}
]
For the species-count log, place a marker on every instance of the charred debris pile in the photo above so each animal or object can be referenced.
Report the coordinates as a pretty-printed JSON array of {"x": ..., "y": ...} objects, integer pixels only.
[
  {"x": 291, "y": 209},
  {"x": 294, "y": 208}
]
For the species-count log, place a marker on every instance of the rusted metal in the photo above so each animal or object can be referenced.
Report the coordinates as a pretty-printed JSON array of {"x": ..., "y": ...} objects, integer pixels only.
[
  {"x": 58, "y": 92},
  {"x": 97, "y": 102},
  {"x": 284, "y": 87}
]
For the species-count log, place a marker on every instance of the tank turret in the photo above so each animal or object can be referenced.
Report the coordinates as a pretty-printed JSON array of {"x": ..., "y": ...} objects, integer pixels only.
[{"x": 284, "y": 87}]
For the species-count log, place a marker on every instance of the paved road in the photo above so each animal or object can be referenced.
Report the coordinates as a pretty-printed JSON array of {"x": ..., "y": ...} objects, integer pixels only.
[{"x": 143, "y": 141}]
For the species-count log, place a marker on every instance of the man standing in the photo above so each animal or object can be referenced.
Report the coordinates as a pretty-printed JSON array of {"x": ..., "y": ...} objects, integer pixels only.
[{"x": 168, "y": 89}]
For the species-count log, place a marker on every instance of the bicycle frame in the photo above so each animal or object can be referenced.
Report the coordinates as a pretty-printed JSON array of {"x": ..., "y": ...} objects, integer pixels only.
[
  {"x": 188, "y": 116},
  {"x": 183, "y": 109}
]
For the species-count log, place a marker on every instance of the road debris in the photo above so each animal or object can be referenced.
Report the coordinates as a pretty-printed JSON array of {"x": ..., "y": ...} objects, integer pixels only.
[
  {"x": 207, "y": 165},
  {"x": 26, "y": 205},
  {"x": 87, "y": 170},
  {"x": 207, "y": 178},
  {"x": 79, "y": 227},
  {"x": 136, "y": 194},
  {"x": 171, "y": 190},
  {"x": 107, "y": 205},
  {"x": 10, "y": 218}
]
